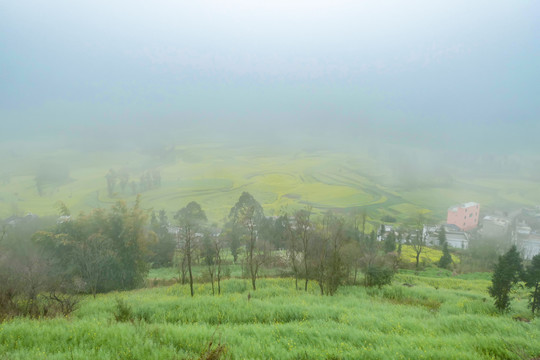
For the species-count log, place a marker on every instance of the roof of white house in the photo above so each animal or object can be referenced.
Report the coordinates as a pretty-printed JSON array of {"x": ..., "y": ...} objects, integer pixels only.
[{"x": 496, "y": 220}]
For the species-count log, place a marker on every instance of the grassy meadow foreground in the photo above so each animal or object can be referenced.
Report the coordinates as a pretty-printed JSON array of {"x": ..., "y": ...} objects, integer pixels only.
[{"x": 426, "y": 316}]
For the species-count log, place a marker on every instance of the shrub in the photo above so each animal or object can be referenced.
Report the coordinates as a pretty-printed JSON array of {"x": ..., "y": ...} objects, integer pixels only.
[
  {"x": 388, "y": 218},
  {"x": 214, "y": 352},
  {"x": 123, "y": 311},
  {"x": 378, "y": 276}
]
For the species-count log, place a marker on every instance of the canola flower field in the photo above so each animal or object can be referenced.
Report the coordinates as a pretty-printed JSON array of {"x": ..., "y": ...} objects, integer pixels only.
[{"x": 281, "y": 181}]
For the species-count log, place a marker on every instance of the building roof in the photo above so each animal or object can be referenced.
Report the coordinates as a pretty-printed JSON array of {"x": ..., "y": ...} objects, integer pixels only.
[
  {"x": 451, "y": 227},
  {"x": 464, "y": 205},
  {"x": 496, "y": 220},
  {"x": 457, "y": 237}
]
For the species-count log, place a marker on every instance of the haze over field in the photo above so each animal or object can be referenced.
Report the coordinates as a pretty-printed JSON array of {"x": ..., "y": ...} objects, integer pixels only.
[
  {"x": 408, "y": 92},
  {"x": 269, "y": 179}
]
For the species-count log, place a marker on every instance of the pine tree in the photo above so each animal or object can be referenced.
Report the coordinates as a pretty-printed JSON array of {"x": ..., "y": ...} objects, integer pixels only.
[
  {"x": 442, "y": 236},
  {"x": 446, "y": 258},
  {"x": 390, "y": 242},
  {"x": 507, "y": 273},
  {"x": 532, "y": 280}
]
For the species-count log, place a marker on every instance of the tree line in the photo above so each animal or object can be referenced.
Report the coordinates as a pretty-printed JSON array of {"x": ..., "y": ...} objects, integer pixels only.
[
  {"x": 113, "y": 249},
  {"x": 43, "y": 271},
  {"x": 147, "y": 181}
]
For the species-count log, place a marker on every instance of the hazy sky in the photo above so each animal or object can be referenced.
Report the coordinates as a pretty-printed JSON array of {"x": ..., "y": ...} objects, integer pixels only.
[{"x": 459, "y": 71}]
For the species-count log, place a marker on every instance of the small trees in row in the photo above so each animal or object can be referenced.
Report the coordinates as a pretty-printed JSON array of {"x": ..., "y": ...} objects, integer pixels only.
[{"x": 112, "y": 249}]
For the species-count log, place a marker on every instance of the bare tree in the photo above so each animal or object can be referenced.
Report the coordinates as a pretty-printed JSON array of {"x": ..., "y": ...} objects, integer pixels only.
[
  {"x": 209, "y": 257},
  {"x": 329, "y": 263},
  {"x": 219, "y": 244},
  {"x": 293, "y": 249},
  {"x": 364, "y": 217},
  {"x": 182, "y": 265},
  {"x": 352, "y": 256},
  {"x": 246, "y": 215},
  {"x": 304, "y": 229},
  {"x": 337, "y": 239},
  {"x": 254, "y": 256},
  {"x": 92, "y": 256},
  {"x": 111, "y": 182},
  {"x": 418, "y": 240},
  {"x": 320, "y": 253},
  {"x": 191, "y": 220}
]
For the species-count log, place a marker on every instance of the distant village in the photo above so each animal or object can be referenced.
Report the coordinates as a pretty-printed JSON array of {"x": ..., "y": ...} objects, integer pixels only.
[{"x": 464, "y": 224}]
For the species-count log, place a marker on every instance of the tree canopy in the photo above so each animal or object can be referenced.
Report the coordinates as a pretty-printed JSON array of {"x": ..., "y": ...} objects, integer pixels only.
[{"x": 506, "y": 274}]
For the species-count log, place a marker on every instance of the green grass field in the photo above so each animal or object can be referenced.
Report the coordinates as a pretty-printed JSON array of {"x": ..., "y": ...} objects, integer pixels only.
[
  {"x": 428, "y": 257},
  {"x": 435, "y": 316},
  {"x": 215, "y": 176}
]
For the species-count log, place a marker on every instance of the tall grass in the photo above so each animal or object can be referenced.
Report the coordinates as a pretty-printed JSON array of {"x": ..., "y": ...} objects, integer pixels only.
[{"x": 430, "y": 318}]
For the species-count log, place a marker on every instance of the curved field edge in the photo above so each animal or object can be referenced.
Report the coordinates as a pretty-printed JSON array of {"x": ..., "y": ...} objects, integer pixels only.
[{"x": 216, "y": 177}]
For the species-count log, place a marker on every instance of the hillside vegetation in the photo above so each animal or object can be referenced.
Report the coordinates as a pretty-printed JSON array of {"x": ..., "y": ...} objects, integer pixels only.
[{"x": 431, "y": 316}]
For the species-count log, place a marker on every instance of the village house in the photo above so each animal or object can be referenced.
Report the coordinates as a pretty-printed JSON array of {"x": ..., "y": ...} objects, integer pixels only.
[
  {"x": 454, "y": 237},
  {"x": 530, "y": 246},
  {"x": 464, "y": 216},
  {"x": 494, "y": 227}
]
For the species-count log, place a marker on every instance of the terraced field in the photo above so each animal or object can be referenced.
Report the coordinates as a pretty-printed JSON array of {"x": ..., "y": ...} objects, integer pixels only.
[{"x": 215, "y": 176}]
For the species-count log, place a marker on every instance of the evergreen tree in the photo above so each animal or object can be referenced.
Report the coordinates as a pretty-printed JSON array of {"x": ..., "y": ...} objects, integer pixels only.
[
  {"x": 446, "y": 258},
  {"x": 390, "y": 242},
  {"x": 532, "y": 280},
  {"x": 507, "y": 273},
  {"x": 442, "y": 236}
]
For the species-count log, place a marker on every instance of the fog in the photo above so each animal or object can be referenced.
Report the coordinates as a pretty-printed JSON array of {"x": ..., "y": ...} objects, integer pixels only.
[
  {"x": 457, "y": 72},
  {"x": 415, "y": 84}
]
